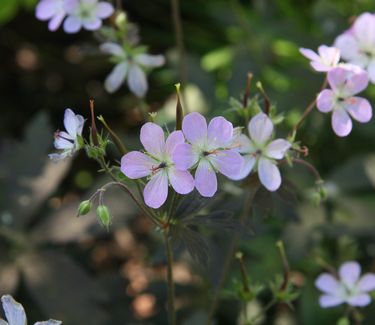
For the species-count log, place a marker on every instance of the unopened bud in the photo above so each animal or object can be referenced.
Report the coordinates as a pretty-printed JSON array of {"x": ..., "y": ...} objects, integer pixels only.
[
  {"x": 103, "y": 215},
  {"x": 120, "y": 20},
  {"x": 84, "y": 207}
]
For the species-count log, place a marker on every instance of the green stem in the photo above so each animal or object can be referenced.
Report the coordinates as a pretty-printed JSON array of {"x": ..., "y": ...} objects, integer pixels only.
[{"x": 171, "y": 292}]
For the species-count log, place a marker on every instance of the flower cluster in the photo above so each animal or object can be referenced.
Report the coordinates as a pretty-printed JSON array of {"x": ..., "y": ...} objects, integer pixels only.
[
  {"x": 87, "y": 14},
  {"x": 356, "y": 47},
  {"x": 349, "y": 287},
  {"x": 15, "y": 313}
]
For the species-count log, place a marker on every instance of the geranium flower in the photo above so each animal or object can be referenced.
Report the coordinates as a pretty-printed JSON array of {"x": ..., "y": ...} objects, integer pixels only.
[
  {"x": 130, "y": 67},
  {"x": 340, "y": 99},
  {"x": 52, "y": 10},
  {"x": 260, "y": 151},
  {"x": 15, "y": 313},
  {"x": 87, "y": 14},
  {"x": 349, "y": 288},
  {"x": 209, "y": 149},
  {"x": 357, "y": 45},
  {"x": 156, "y": 163},
  {"x": 68, "y": 141},
  {"x": 323, "y": 61}
]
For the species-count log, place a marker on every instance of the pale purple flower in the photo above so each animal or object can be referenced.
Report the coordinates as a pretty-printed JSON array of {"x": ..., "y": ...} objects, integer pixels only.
[
  {"x": 349, "y": 288},
  {"x": 209, "y": 149},
  {"x": 156, "y": 164},
  {"x": 357, "y": 45},
  {"x": 68, "y": 141},
  {"x": 260, "y": 152},
  {"x": 340, "y": 99},
  {"x": 323, "y": 61},
  {"x": 130, "y": 68},
  {"x": 52, "y": 10},
  {"x": 15, "y": 314},
  {"x": 87, "y": 14}
]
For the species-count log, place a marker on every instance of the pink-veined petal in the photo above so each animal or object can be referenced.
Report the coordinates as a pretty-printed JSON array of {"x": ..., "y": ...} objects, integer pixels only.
[
  {"x": 104, "y": 10},
  {"x": 349, "y": 273},
  {"x": 310, "y": 54},
  {"x": 228, "y": 162},
  {"x": 14, "y": 312},
  {"x": 247, "y": 166},
  {"x": 326, "y": 100},
  {"x": 360, "y": 300},
  {"x": 137, "y": 81},
  {"x": 181, "y": 180},
  {"x": 367, "y": 282},
  {"x": 194, "y": 126},
  {"x": 72, "y": 25},
  {"x": 327, "y": 283},
  {"x": 156, "y": 190},
  {"x": 277, "y": 148},
  {"x": 358, "y": 108},
  {"x": 341, "y": 122},
  {"x": 117, "y": 77},
  {"x": 205, "y": 179},
  {"x": 219, "y": 132},
  {"x": 260, "y": 128},
  {"x": 269, "y": 174},
  {"x": 152, "y": 138},
  {"x": 348, "y": 46},
  {"x": 174, "y": 139},
  {"x": 184, "y": 157},
  {"x": 149, "y": 60},
  {"x": 327, "y": 301},
  {"x": 136, "y": 164}
]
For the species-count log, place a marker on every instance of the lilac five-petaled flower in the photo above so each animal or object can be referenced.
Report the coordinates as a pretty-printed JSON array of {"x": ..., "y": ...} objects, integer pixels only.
[
  {"x": 340, "y": 99},
  {"x": 68, "y": 142},
  {"x": 52, "y": 10},
  {"x": 15, "y": 313},
  {"x": 349, "y": 288},
  {"x": 357, "y": 45},
  {"x": 130, "y": 68},
  {"x": 87, "y": 14},
  {"x": 156, "y": 163},
  {"x": 323, "y": 61},
  {"x": 209, "y": 150},
  {"x": 261, "y": 153}
]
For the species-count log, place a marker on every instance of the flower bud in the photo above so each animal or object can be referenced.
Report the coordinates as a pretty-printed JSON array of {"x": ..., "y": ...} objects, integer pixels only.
[
  {"x": 84, "y": 207},
  {"x": 103, "y": 215},
  {"x": 121, "y": 20}
]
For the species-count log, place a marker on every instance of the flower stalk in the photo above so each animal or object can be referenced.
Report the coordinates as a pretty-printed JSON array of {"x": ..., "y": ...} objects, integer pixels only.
[{"x": 170, "y": 283}]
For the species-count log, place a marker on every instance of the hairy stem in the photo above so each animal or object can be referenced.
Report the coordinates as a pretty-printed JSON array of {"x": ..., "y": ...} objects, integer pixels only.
[{"x": 171, "y": 293}]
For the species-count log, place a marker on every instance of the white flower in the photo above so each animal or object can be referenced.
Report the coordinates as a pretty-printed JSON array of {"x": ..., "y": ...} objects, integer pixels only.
[
  {"x": 323, "y": 61},
  {"x": 68, "y": 141},
  {"x": 260, "y": 152},
  {"x": 15, "y": 314},
  {"x": 349, "y": 288},
  {"x": 130, "y": 68},
  {"x": 87, "y": 14}
]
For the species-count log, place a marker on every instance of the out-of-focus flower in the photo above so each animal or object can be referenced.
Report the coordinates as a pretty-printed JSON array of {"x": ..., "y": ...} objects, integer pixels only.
[
  {"x": 209, "y": 149},
  {"x": 357, "y": 45},
  {"x": 15, "y": 314},
  {"x": 323, "y": 61},
  {"x": 68, "y": 141},
  {"x": 340, "y": 99},
  {"x": 260, "y": 152},
  {"x": 52, "y": 10},
  {"x": 349, "y": 288},
  {"x": 129, "y": 67},
  {"x": 87, "y": 14},
  {"x": 156, "y": 163}
]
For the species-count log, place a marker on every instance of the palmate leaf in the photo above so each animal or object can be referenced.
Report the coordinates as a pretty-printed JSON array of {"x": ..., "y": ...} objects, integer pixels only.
[{"x": 191, "y": 204}]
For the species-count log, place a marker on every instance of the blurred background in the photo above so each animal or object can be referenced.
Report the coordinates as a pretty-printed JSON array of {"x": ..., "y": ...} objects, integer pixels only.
[{"x": 71, "y": 268}]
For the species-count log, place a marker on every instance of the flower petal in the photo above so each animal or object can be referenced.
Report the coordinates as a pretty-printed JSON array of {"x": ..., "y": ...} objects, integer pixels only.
[
  {"x": 194, "y": 127},
  {"x": 247, "y": 166},
  {"x": 220, "y": 132},
  {"x": 61, "y": 143},
  {"x": 341, "y": 122},
  {"x": 72, "y": 25},
  {"x": 325, "y": 101},
  {"x": 136, "y": 164},
  {"x": 137, "y": 81},
  {"x": 260, "y": 128},
  {"x": 320, "y": 67},
  {"x": 310, "y": 54},
  {"x": 49, "y": 322},
  {"x": 181, "y": 180},
  {"x": 93, "y": 23},
  {"x": 156, "y": 190},
  {"x": 148, "y": 60},
  {"x": 104, "y": 10},
  {"x": 14, "y": 312},
  {"x": 359, "y": 109},
  {"x": 152, "y": 138},
  {"x": 327, "y": 283},
  {"x": 360, "y": 300},
  {"x": 327, "y": 301},
  {"x": 348, "y": 46},
  {"x": 184, "y": 157},
  {"x": 174, "y": 139},
  {"x": 56, "y": 21},
  {"x": 116, "y": 78},
  {"x": 46, "y": 9},
  {"x": 367, "y": 282},
  {"x": 205, "y": 179},
  {"x": 349, "y": 273},
  {"x": 364, "y": 30},
  {"x": 329, "y": 55},
  {"x": 228, "y": 162},
  {"x": 371, "y": 71},
  {"x": 277, "y": 148},
  {"x": 112, "y": 48},
  {"x": 243, "y": 144},
  {"x": 71, "y": 123},
  {"x": 269, "y": 174}
]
